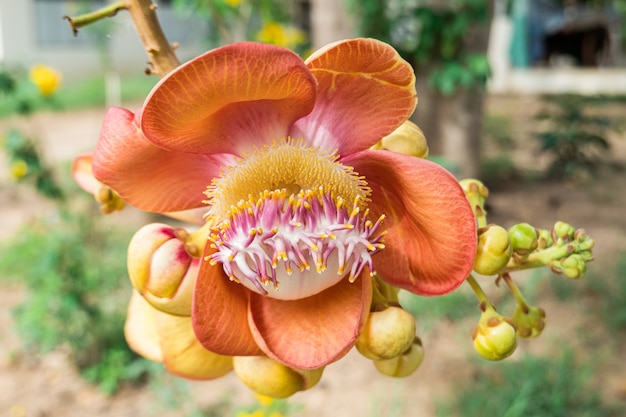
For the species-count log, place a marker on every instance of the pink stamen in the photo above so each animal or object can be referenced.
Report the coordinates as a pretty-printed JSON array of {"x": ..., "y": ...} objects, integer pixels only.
[{"x": 262, "y": 240}]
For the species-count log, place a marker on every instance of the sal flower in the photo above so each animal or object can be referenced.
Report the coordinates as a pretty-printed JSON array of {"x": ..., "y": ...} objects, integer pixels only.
[{"x": 273, "y": 158}]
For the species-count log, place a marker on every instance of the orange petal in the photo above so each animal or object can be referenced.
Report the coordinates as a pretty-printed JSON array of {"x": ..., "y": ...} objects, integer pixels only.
[
  {"x": 83, "y": 173},
  {"x": 365, "y": 90},
  {"x": 219, "y": 313},
  {"x": 140, "y": 329},
  {"x": 315, "y": 331},
  {"x": 146, "y": 176},
  {"x": 183, "y": 354},
  {"x": 431, "y": 233},
  {"x": 229, "y": 99}
]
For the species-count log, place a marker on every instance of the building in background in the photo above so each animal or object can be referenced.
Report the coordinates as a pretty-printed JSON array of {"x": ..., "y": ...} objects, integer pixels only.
[
  {"x": 552, "y": 46},
  {"x": 34, "y": 31}
]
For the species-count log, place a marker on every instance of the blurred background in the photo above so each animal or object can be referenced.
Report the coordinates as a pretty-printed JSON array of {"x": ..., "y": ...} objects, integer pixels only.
[{"x": 529, "y": 96}]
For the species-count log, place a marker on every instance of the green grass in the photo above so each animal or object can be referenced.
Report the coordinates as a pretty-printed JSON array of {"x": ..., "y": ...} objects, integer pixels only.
[{"x": 547, "y": 387}]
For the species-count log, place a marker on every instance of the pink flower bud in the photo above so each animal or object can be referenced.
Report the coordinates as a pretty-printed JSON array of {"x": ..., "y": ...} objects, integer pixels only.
[{"x": 161, "y": 269}]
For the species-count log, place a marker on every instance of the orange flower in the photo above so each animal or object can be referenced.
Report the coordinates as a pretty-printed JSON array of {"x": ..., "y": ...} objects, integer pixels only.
[{"x": 275, "y": 152}]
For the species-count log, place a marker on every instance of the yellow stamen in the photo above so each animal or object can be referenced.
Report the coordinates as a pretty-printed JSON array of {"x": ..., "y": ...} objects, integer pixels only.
[{"x": 288, "y": 165}]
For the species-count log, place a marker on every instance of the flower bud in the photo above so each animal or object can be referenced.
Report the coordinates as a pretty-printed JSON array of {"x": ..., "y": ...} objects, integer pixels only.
[
  {"x": 573, "y": 266},
  {"x": 544, "y": 239},
  {"x": 494, "y": 336},
  {"x": 109, "y": 200},
  {"x": 386, "y": 334},
  {"x": 529, "y": 321},
  {"x": 493, "y": 251},
  {"x": 404, "y": 364},
  {"x": 476, "y": 193},
  {"x": 161, "y": 269},
  {"x": 523, "y": 238},
  {"x": 407, "y": 139},
  {"x": 562, "y": 230},
  {"x": 267, "y": 377}
]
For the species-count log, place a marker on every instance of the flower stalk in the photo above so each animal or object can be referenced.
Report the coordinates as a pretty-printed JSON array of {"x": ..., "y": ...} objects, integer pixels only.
[
  {"x": 86, "y": 19},
  {"x": 143, "y": 12}
]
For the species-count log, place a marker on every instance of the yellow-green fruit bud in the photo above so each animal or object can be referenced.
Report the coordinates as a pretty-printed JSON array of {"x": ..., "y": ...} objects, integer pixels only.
[
  {"x": 494, "y": 251},
  {"x": 573, "y": 266},
  {"x": 564, "y": 230},
  {"x": 529, "y": 321},
  {"x": 407, "y": 139},
  {"x": 494, "y": 337},
  {"x": 405, "y": 364},
  {"x": 267, "y": 377},
  {"x": 544, "y": 240},
  {"x": 161, "y": 269},
  {"x": 476, "y": 193},
  {"x": 523, "y": 238},
  {"x": 109, "y": 200},
  {"x": 386, "y": 334}
]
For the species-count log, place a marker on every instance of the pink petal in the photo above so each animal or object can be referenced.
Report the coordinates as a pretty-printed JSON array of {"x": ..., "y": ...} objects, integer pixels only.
[
  {"x": 219, "y": 313},
  {"x": 365, "y": 90},
  {"x": 431, "y": 239},
  {"x": 229, "y": 99},
  {"x": 146, "y": 176},
  {"x": 315, "y": 331}
]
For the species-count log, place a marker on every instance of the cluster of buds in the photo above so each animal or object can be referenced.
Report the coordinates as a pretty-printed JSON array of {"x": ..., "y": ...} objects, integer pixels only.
[
  {"x": 388, "y": 337},
  {"x": 564, "y": 249}
]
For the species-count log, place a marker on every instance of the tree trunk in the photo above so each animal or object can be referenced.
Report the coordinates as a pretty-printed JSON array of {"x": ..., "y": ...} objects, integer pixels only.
[{"x": 329, "y": 22}]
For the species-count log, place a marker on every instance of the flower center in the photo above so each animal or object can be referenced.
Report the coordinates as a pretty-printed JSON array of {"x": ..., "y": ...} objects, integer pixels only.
[{"x": 291, "y": 218}]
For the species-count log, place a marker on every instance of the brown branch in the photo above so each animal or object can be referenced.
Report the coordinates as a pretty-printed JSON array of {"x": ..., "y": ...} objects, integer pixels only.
[{"x": 161, "y": 53}]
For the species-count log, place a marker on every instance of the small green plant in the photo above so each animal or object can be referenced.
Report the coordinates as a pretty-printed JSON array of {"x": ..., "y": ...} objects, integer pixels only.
[
  {"x": 533, "y": 386},
  {"x": 612, "y": 292},
  {"x": 574, "y": 139},
  {"x": 72, "y": 299}
]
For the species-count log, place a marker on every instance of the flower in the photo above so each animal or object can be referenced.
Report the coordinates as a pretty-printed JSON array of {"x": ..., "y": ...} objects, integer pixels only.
[
  {"x": 281, "y": 35},
  {"x": 19, "y": 169},
  {"x": 46, "y": 79},
  {"x": 271, "y": 156}
]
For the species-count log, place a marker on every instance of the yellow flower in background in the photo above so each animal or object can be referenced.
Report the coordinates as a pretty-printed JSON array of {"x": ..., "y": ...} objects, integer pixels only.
[
  {"x": 286, "y": 36},
  {"x": 232, "y": 3},
  {"x": 19, "y": 169},
  {"x": 47, "y": 79},
  {"x": 264, "y": 400}
]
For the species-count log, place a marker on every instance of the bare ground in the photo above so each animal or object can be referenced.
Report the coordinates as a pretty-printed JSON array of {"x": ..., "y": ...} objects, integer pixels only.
[{"x": 49, "y": 386}]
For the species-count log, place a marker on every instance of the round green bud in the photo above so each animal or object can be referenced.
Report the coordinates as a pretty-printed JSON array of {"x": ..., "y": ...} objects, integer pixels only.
[
  {"x": 574, "y": 266},
  {"x": 386, "y": 334},
  {"x": 523, "y": 238},
  {"x": 493, "y": 251},
  {"x": 529, "y": 321},
  {"x": 563, "y": 230},
  {"x": 544, "y": 239}
]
